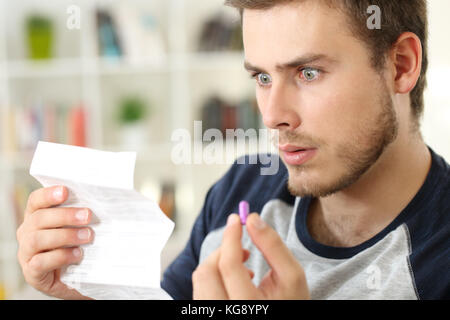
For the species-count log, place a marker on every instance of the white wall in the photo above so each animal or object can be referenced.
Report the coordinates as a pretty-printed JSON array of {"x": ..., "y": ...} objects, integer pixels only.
[{"x": 436, "y": 122}]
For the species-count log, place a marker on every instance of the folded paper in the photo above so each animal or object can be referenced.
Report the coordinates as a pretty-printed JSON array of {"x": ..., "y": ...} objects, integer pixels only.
[{"x": 130, "y": 230}]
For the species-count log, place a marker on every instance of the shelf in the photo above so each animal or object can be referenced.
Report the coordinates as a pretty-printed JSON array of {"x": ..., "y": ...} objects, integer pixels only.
[
  {"x": 123, "y": 67},
  {"x": 75, "y": 67},
  {"x": 42, "y": 69},
  {"x": 79, "y": 67},
  {"x": 216, "y": 60}
]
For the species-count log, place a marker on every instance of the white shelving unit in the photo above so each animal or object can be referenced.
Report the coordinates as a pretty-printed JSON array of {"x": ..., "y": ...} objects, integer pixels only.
[{"x": 176, "y": 87}]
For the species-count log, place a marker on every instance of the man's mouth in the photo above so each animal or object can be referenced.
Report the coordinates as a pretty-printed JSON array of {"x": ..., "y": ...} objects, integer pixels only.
[
  {"x": 293, "y": 148},
  {"x": 296, "y": 155}
]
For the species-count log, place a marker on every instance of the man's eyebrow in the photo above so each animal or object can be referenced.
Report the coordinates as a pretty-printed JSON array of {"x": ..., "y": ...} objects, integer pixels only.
[{"x": 302, "y": 60}]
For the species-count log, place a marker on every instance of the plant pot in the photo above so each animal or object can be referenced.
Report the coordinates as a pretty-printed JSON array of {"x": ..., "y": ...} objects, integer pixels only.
[
  {"x": 133, "y": 136},
  {"x": 40, "y": 38}
]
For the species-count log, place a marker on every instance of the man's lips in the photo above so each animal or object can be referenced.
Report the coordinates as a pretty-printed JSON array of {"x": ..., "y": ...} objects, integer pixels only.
[
  {"x": 297, "y": 155},
  {"x": 293, "y": 148}
]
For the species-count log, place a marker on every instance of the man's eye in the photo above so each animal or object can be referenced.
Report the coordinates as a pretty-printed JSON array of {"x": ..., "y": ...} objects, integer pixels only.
[
  {"x": 309, "y": 74},
  {"x": 263, "y": 79}
]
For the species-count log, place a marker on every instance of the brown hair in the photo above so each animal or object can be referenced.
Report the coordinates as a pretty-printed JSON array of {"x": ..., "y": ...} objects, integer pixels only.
[{"x": 397, "y": 16}]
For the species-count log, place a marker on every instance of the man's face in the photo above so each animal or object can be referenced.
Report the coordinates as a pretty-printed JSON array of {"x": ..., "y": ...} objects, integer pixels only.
[{"x": 316, "y": 85}]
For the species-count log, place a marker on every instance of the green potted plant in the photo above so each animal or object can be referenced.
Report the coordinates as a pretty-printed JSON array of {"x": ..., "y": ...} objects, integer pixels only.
[
  {"x": 39, "y": 31},
  {"x": 133, "y": 110}
]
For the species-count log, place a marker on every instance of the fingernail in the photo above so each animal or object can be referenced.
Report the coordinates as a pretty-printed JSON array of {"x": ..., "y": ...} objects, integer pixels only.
[
  {"x": 84, "y": 234},
  {"x": 58, "y": 193},
  {"x": 82, "y": 215},
  {"x": 76, "y": 252},
  {"x": 258, "y": 223},
  {"x": 232, "y": 219}
]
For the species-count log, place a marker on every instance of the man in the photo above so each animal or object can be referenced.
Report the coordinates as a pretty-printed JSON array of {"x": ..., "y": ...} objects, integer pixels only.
[{"x": 359, "y": 210}]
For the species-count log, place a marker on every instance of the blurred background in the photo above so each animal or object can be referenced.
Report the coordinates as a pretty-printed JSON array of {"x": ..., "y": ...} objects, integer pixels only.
[{"x": 122, "y": 76}]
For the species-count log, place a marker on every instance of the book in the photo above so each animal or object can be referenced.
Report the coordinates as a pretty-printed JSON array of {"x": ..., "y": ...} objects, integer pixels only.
[
  {"x": 140, "y": 35},
  {"x": 26, "y": 125},
  {"x": 77, "y": 122},
  {"x": 108, "y": 39},
  {"x": 217, "y": 113},
  {"x": 221, "y": 33}
]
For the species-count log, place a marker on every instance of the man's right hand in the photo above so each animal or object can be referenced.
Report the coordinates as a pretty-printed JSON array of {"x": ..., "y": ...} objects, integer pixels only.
[{"x": 49, "y": 239}]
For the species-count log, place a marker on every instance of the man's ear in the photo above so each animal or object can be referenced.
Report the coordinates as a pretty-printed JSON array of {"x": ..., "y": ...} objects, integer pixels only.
[{"x": 406, "y": 56}]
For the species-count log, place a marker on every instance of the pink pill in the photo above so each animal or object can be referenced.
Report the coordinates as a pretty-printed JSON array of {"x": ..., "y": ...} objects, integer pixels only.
[{"x": 244, "y": 209}]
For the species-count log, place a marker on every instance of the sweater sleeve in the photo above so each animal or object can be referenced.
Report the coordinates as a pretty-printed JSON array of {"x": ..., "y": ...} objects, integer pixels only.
[{"x": 177, "y": 277}]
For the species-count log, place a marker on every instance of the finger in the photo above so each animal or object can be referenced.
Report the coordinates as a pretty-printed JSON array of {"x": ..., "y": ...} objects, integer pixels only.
[
  {"x": 250, "y": 273},
  {"x": 246, "y": 255},
  {"x": 277, "y": 255},
  {"x": 235, "y": 275},
  {"x": 45, "y": 198},
  {"x": 43, "y": 240},
  {"x": 45, "y": 262},
  {"x": 206, "y": 280},
  {"x": 59, "y": 217}
]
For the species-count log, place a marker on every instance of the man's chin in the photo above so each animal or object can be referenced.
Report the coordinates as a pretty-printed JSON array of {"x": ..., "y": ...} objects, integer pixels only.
[
  {"x": 304, "y": 183},
  {"x": 303, "y": 189}
]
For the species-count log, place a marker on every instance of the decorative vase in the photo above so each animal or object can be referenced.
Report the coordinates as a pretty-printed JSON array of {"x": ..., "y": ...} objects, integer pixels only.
[{"x": 133, "y": 136}]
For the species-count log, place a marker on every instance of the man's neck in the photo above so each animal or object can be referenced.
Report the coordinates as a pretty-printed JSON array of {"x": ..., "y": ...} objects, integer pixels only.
[{"x": 354, "y": 215}]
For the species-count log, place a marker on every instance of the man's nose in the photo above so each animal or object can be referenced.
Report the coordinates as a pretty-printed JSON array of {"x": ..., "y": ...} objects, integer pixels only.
[{"x": 279, "y": 108}]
